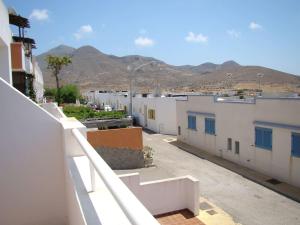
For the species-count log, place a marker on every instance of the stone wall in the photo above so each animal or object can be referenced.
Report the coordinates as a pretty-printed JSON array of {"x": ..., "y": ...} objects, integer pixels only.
[{"x": 119, "y": 159}]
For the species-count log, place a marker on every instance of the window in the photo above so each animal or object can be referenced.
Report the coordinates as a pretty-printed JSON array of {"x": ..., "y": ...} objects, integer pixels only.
[
  {"x": 209, "y": 125},
  {"x": 229, "y": 144},
  {"x": 179, "y": 130},
  {"x": 151, "y": 114},
  {"x": 192, "y": 122},
  {"x": 296, "y": 144},
  {"x": 263, "y": 138},
  {"x": 237, "y": 147}
]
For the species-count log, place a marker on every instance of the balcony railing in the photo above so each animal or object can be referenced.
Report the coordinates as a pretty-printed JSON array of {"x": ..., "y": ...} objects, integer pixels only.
[{"x": 134, "y": 210}]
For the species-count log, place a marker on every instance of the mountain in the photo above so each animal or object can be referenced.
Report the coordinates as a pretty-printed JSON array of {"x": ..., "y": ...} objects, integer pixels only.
[{"x": 93, "y": 69}]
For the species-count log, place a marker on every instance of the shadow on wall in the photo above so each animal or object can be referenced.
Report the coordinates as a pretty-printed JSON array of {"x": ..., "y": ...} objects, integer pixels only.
[{"x": 120, "y": 159}]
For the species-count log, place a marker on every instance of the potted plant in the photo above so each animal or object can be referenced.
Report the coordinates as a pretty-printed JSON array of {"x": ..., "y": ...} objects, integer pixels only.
[{"x": 148, "y": 156}]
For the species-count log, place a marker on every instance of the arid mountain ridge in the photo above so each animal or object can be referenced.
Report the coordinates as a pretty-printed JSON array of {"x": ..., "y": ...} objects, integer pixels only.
[{"x": 92, "y": 69}]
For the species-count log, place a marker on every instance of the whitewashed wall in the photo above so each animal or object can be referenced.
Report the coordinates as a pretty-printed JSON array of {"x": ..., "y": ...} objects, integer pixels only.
[
  {"x": 38, "y": 82},
  {"x": 235, "y": 120},
  {"x": 116, "y": 100},
  {"x": 31, "y": 162},
  {"x": 167, "y": 195},
  {"x": 5, "y": 40},
  {"x": 165, "y": 114},
  {"x": 165, "y": 109}
]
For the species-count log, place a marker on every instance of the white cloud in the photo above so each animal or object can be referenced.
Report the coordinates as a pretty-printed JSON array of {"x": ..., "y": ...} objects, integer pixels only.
[
  {"x": 144, "y": 42},
  {"x": 196, "y": 38},
  {"x": 83, "y": 32},
  {"x": 39, "y": 14},
  {"x": 255, "y": 26},
  {"x": 233, "y": 33}
]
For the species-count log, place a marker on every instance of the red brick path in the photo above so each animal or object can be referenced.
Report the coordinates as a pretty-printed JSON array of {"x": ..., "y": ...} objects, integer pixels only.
[{"x": 181, "y": 217}]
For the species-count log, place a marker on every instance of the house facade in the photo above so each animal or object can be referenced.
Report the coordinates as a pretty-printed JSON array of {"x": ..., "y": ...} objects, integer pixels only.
[
  {"x": 262, "y": 134},
  {"x": 5, "y": 41},
  {"x": 38, "y": 82},
  {"x": 18, "y": 66},
  {"x": 154, "y": 113}
]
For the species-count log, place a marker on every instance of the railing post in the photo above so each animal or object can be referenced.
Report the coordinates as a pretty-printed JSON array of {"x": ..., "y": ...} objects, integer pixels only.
[{"x": 92, "y": 171}]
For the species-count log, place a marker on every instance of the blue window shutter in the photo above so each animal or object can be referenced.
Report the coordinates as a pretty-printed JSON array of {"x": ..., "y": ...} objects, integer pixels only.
[
  {"x": 296, "y": 144},
  {"x": 263, "y": 138},
  {"x": 267, "y": 139},
  {"x": 192, "y": 122},
  {"x": 259, "y": 136},
  {"x": 210, "y": 126}
]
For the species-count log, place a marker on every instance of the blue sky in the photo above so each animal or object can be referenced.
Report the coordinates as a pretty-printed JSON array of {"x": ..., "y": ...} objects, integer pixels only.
[{"x": 251, "y": 32}]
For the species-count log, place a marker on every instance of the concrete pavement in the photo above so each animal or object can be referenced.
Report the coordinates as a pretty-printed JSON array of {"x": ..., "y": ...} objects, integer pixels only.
[
  {"x": 280, "y": 187},
  {"x": 247, "y": 202}
]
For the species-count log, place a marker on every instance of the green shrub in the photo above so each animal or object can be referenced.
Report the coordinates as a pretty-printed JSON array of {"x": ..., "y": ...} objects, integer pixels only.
[
  {"x": 82, "y": 113},
  {"x": 69, "y": 93},
  {"x": 50, "y": 92}
]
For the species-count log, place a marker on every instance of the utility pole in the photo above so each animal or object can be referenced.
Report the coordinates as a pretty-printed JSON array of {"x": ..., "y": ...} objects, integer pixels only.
[
  {"x": 259, "y": 75},
  {"x": 131, "y": 79}
]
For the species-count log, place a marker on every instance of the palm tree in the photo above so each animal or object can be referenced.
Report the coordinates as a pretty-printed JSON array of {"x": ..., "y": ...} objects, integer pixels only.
[{"x": 55, "y": 64}]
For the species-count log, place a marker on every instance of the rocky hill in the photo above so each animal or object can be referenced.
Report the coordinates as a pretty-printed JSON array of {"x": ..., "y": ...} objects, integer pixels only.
[{"x": 92, "y": 69}]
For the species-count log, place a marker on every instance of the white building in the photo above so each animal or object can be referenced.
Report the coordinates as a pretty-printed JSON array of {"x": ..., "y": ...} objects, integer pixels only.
[
  {"x": 5, "y": 41},
  {"x": 262, "y": 134},
  {"x": 38, "y": 82},
  {"x": 16, "y": 64},
  {"x": 156, "y": 113},
  {"x": 117, "y": 100}
]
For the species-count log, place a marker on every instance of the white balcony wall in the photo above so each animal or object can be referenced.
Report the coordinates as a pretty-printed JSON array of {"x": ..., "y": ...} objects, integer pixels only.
[
  {"x": 53, "y": 109},
  {"x": 167, "y": 195},
  {"x": 111, "y": 202},
  {"x": 5, "y": 40},
  {"x": 31, "y": 162}
]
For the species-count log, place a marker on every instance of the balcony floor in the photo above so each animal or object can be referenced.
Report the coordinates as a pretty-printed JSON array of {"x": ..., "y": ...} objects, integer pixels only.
[{"x": 181, "y": 217}]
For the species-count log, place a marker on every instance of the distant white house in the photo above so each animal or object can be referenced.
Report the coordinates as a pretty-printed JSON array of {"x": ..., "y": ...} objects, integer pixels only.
[
  {"x": 117, "y": 100},
  {"x": 262, "y": 134},
  {"x": 154, "y": 113}
]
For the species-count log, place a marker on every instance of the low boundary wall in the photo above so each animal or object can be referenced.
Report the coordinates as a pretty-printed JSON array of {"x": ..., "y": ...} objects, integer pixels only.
[
  {"x": 167, "y": 195},
  {"x": 123, "y": 138}
]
